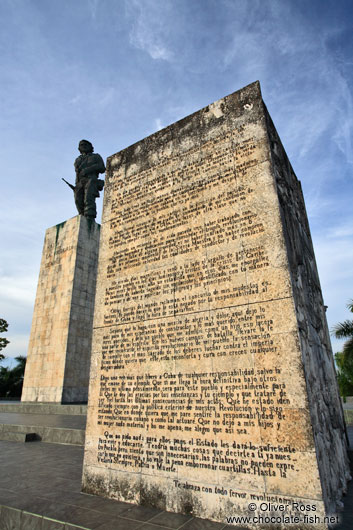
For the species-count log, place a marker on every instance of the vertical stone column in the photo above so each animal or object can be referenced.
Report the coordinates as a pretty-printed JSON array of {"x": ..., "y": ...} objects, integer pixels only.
[
  {"x": 59, "y": 350},
  {"x": 212, "y": 382}
]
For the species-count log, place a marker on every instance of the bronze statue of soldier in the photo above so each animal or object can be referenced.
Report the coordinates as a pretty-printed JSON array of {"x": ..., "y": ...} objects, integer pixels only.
[{"x": 87, "y": 187}]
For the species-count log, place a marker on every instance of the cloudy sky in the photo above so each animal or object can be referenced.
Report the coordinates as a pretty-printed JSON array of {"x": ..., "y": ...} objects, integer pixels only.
[{"x": 115, "y": 71}]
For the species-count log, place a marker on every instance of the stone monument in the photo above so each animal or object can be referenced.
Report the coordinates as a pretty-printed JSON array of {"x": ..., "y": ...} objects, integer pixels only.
[
  {"x": 212, "y": 385},
  {"x": 58, "y": 361}
]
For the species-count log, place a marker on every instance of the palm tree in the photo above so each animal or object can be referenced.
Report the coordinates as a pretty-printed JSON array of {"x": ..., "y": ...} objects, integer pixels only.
[
  {"x": 21, "y": 363},
  {"x": 5, "y": 380},
  {"x": 344, "y": 374},
  {"x": 344, "y": 330},
  {"x": 11, "y": 379}
]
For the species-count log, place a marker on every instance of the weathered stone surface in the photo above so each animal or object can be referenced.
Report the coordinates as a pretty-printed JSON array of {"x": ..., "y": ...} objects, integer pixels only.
[
  {"x": 58, "y": 361},
  {"x": 212, "y": 381}
]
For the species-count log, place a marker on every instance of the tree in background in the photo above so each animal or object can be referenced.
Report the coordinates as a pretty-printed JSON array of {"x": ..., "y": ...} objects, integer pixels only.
[
  {"x": 344, "y": 374},
  {"x": 11, "y": 380},
  {"x": 3, "y": 342},
  {"x": 344, "y": 359},
  {"x": 344, "y": 330}
]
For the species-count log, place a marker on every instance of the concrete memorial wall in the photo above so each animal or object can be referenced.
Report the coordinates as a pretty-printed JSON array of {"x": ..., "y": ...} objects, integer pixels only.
[
  {"x": 212, "y": 380},
  {"x": 58, "y": 361}
]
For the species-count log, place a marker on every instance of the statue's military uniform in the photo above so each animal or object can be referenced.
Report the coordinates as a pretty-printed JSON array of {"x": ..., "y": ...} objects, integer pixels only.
[{"x": 88, "y": 186}]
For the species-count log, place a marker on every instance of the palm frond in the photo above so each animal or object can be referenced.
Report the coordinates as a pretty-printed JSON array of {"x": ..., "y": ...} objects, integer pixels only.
[
  {"x": 343, "y": 329},
  {"x": 348, "y": 350},
  {"x": 350, "y": 306}
]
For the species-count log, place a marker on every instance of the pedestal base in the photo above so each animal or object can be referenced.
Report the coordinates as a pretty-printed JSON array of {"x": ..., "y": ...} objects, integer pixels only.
[{"x": 57, "y": 369}]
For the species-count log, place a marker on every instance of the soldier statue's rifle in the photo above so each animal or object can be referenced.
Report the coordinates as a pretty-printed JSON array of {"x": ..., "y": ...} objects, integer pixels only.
[{"x": 70, "y": 185}]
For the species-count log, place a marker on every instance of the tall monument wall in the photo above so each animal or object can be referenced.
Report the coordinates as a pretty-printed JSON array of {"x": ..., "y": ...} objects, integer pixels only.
[
  {"x": 326, "y": 412},
  {"x": 207, "y": 355},
  {"x": 58, "y": 362}
]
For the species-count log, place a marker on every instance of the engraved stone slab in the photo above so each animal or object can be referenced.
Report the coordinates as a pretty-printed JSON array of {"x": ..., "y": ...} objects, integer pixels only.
[
  {"x": 59, "y": 350},
  {"x": 212, "y": 379}
]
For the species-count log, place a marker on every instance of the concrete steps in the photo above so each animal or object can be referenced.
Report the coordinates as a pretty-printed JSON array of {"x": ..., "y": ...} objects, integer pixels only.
[
  {"x": 45, "y": 422},
  {"x": 43, "y": 408},
  {"x": 348, "y": 416},
  {"x": 13, "y": 436},
  {"x": 47, "y": 434}
]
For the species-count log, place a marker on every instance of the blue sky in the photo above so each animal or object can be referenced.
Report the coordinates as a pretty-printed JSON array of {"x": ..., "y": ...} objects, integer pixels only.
[{"x": 115, "y": 71}]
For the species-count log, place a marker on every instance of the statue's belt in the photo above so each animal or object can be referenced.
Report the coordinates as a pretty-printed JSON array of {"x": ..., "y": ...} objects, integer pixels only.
[{"x": 88, "y": 177}]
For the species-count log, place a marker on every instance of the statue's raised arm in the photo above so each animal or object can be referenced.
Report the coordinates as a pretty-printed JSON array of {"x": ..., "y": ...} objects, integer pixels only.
[{"x": 87, "y": 187}]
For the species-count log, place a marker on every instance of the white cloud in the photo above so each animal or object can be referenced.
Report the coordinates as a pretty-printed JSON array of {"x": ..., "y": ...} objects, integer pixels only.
[
  {"x": 344, "y": 116},
  {"x": 102, "y": 96},
  {"x": 342, "y": 231},
  {"x": 305, "y": 89},
  {"x": 148, "y": 31},
  {"x": 107, "y": 97},
  {"x": 22, "y": 291},
  {"x": 93, "y": 5},
  {"x": 76, "y": 99},
  {"x": 18, "y": 345},
  {"x": 158, "y": 124}
]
